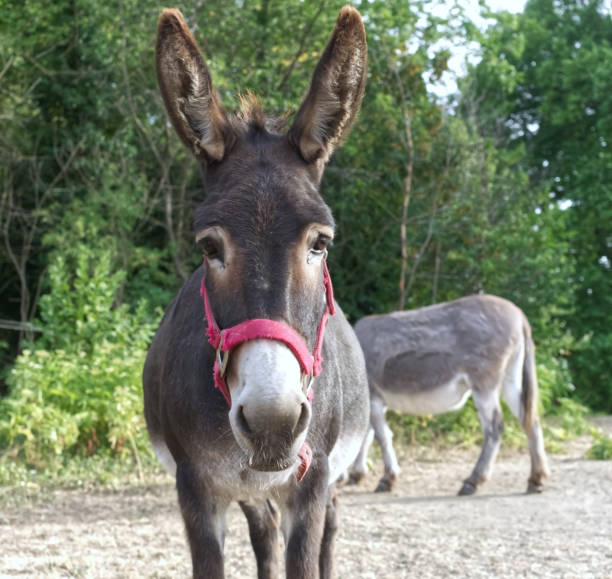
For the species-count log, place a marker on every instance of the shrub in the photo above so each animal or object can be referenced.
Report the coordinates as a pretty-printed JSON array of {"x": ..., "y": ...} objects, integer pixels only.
[
  {"x": 602, "y": 449},
  {"x": 77, "y": 390}
]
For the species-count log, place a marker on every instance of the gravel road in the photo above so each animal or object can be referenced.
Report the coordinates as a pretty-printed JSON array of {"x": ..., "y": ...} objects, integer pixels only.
[{"x": 419, "y": 530}]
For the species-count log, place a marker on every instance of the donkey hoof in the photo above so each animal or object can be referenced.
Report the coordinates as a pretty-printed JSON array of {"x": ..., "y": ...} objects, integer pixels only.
[
  {"x": 534, "y": 487},
  {"x": 356, "y": 477},
  {"x": 385, "y": 485},
  {"x": 467, "y": 489}
]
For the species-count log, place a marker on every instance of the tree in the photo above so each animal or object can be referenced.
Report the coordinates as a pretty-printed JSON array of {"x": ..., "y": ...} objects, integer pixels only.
[
  {"x": 506, "y": 191},
  {"x": 559, "y": 109}
]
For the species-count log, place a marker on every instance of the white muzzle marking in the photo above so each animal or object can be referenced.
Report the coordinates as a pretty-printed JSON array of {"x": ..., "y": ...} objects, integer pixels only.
[{"x": 265, "y": 381}]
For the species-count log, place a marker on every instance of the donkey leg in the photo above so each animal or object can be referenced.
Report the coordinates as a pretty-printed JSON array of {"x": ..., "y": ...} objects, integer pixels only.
[
  {"x": 303, "y": 521},
  {"x": 264, "y": 520},
  {"x": 528, "y": 417},
  {"x": 360, "y": 466},
  {"x": 384, "y": 436},
  {"x": 491, "y": 420},
  {"x": 539, "y": 463},
  {"x": 204, "y": 516},
  {"x": 326, "y": 557}
]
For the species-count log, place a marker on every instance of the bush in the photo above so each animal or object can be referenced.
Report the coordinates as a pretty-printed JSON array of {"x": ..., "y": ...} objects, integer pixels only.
[
  {"x": 602, "y": 449},
  {"x": 554, "y": 382},
  {"x": 77, "y": 390},
  {"x": 461, "y": 427}
]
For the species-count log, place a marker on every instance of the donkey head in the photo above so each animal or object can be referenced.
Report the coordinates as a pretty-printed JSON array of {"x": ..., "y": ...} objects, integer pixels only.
[{"x": 263, "y": 227}]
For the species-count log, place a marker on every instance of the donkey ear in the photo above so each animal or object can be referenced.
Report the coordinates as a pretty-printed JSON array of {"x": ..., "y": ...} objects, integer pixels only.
[
  {"x": 335, "y": 93},
  {"x": 186, "y": 87}
]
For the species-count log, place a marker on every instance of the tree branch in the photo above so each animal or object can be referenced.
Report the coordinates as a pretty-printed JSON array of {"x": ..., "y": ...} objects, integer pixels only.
[{"x": 307, "y": 29}]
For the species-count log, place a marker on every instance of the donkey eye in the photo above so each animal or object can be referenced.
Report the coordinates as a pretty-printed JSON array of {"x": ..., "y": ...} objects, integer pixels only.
[
  {"x": 321, "y": 244},
  {"x": 318, "y": 249},
  {"x": 210, "y": 247}
]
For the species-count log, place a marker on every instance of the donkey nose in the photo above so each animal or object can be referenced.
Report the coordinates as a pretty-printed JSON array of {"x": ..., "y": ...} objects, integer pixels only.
[
  {"x": 285, "y": 426},
  {"x": 303, "y": 420},
  {"x": 242, "y": 422},
  {"x": 270, "y": 414}
]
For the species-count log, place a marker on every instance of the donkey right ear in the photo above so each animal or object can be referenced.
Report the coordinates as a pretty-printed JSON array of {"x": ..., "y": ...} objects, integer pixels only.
[{"x": 186, "y": 87}]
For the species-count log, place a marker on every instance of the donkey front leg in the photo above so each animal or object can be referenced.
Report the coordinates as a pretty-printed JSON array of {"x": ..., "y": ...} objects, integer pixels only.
[
  {"x": 204, "y": 516},
  {"x": 384, "y": 436},
  {"x": 491, "y": 420},
  {"x": 326, "y": 557},
  {"x": 304, "y": 519},
  {"x": 263, "y": 520}
]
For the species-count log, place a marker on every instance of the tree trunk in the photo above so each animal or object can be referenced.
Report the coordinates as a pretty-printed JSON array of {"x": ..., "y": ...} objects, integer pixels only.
[{"x": 407, "y": 194}]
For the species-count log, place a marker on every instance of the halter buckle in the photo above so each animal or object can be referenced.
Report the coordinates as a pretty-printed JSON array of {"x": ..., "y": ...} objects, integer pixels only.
[
  {"x": 222, "y": 360},
  {"x": 307, "y": 380}
]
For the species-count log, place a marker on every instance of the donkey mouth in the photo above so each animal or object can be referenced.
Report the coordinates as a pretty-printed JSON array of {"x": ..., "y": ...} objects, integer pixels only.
[{"x": 265, "y": 464}]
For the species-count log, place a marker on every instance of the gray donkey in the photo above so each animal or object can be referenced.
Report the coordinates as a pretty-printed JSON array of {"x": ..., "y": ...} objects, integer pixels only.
[
  {"x": 248, "y": 397},
  {"x": 429, "y": 361}
]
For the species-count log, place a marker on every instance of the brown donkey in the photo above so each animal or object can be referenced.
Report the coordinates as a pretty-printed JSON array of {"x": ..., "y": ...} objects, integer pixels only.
[
  {"x": 429, "y": 361},
  {"x": 255, "y": 386}
]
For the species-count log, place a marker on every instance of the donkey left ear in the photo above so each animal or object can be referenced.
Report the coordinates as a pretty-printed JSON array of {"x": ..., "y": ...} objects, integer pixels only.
[{"x": 335, "y": 93}]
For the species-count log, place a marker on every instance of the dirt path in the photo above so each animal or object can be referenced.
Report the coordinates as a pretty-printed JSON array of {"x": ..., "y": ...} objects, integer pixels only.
[{"x": 420, "y": 530}]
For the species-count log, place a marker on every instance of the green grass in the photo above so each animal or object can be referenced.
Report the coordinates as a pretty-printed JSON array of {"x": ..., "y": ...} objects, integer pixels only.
[{"x": 19, "y": 483}]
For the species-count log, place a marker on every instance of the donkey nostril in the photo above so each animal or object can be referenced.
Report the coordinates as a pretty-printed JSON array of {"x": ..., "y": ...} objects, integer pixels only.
[
  {"x": 242, "y": 421},
  {"x": 302, "y": 422}
]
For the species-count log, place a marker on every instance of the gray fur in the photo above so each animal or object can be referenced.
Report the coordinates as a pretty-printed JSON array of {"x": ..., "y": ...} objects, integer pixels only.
[{"x": 261, "y": 208}]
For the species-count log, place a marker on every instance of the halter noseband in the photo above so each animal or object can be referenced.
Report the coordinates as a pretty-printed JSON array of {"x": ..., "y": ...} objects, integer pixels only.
[{"x": 224, "y": 341}]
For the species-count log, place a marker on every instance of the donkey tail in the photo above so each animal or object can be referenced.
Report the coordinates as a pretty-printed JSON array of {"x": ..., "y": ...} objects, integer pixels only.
[
  {"x": 529, "y": 393},
  {"x": 531, "y": 422}
]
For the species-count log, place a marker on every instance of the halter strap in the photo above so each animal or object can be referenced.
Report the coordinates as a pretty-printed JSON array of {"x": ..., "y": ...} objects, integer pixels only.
[{"x": 229, "y": 338}]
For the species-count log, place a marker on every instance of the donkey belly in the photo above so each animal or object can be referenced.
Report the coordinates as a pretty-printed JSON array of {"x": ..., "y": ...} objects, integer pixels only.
[{"x": 436, "y": 400}]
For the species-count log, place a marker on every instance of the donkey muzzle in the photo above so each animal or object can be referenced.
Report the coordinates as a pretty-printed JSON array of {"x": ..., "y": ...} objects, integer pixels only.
[{"x": 270, "y": 412}]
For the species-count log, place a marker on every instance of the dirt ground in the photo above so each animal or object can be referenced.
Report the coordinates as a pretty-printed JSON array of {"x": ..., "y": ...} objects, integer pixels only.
[{"x": 420, "y": 530}]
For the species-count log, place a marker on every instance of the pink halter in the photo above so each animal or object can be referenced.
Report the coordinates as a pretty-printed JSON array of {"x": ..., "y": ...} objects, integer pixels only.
[{"x": 227, "y": 339}]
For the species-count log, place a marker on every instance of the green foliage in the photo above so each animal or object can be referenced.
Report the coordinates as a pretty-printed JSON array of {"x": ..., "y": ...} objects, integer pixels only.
[
  {"x": 602, "y": 448},
  {"x": 510, "y": 194},
  {"x": 554, "y": 382},
  {"x": 567, "y": 419},
  {"x": 570, "y": 151},
  {"x": 460, "y": 428},
  {"x": 550, "y": 61},
  {"x": 77, "y": 391},
  {"x": 74, "y": 402},
  {"x": 573, "y": 416}
]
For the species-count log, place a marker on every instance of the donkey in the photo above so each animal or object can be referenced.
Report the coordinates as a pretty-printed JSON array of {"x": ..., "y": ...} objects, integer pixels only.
[
  {"x": 429, "y": 361},
  {"x": 232, "y": 404}
]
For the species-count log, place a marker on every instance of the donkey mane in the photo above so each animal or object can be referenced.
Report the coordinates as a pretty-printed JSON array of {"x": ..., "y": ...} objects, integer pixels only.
[{"x": 251, "y": 118}]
